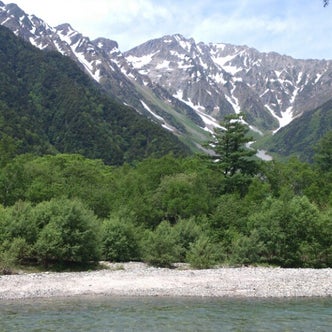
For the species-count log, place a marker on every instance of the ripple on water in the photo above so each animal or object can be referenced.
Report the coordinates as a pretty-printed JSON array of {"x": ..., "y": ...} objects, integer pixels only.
[{"x": 165, "y": 314}]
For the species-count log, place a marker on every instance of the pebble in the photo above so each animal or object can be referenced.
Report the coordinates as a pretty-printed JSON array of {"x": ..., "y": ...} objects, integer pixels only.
[{"x": 139, "y": 279}]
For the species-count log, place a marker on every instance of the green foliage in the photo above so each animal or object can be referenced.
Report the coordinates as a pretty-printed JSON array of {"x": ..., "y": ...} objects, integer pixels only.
[
  {"x": 187, "y": 232},
  {"x": 323, "y": 156},
  {"x": 16, "y": 251},
  {"x": 120, "y": 242},
  {"x": 19, "y": 223},
  {"x": 246, "y": 249},
  {"x": 181, "y": 196},
  {"x": 162, "y": 211},
  {"x": 230, "y": 213},
  {"x": 282, "y": 228},
  {"x": 160, "y": 247},
  {"x": 203, "y": 253},
  {"x": 68, "y": 232},
  {"x": 320, "y": 253},
  {"x": 48, "y": 105},
  {"x": 7, "y": 262},
  {"x": 231, "y": 156},
  {"x": 229, "y": 144},
  {"x": 37, "y": 179}
]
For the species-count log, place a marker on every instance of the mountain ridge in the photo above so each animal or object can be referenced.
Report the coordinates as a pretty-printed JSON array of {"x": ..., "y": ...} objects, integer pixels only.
[
  {"x": 188, "y": 87},
  {"x": 49, "y": 105}
]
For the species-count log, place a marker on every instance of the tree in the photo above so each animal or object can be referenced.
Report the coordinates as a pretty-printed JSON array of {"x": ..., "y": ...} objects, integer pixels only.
[
  {"x": 325, "y": 2},
  {"x": 161, "y": 247},
  {"x": 231, "y": 153},
  {"x": 229, "y": 144},
  {"x": 285, "y": 231},
  {"x": 119, "y": 240},
  {"x": 69, "y": 233},
  {"x": 323, "y": 157}
]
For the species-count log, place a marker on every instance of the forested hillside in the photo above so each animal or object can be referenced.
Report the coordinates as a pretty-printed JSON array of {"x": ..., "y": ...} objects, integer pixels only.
[
  {"x": 84, "y": 179},
  {"x": 302, "y": 134},
  {"x": 230, "y": 209},
  {"x": 48, "y": 105}
]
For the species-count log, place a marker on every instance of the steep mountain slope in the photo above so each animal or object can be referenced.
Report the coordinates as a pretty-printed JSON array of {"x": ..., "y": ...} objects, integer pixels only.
[
  {"x": 104, "y": 62},
  {"x": 188, "y": 87},
  {"x": 220, "y": 78},
  {"x": 48, "y": 105},
  {"x": 301, "y": 135}
]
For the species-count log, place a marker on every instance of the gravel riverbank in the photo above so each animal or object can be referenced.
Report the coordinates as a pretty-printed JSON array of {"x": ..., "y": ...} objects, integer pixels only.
[{"x": 138, "y": 279}]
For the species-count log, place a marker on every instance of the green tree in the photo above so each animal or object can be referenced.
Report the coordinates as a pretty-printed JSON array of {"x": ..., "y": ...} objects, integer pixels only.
[
  {"x": 203, "y": 253},
  {"x": 69, "y": 233},
  {"x": 160, "y": 247},
  {"x": 323, "y": 156},
  {"x": 282, "y": 229},
  {"x": 181, "y": 196},
  {"x": 119, "y": 240},
  {"x": 232, "y": 157}
]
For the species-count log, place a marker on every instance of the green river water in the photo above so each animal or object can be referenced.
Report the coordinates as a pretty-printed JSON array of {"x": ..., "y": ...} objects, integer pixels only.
[{"x": 165, "y": 314}]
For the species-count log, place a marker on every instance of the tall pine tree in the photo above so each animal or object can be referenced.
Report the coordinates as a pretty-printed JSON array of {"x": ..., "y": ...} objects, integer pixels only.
[{"x": 232, "y": 156}]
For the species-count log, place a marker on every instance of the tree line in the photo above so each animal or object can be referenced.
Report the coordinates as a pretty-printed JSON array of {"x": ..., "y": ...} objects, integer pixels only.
[{"x": 226, "y": 208}]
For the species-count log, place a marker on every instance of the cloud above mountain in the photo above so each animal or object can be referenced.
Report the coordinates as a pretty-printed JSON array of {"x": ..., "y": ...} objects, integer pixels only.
[{"x": 302, "y": 29}]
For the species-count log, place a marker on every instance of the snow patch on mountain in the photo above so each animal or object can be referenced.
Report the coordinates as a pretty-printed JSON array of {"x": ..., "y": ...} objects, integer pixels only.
[
  {"x": 164, "y": 124},
  {"x": 139, "y": 62},
  {"x": 209, "y": 121}
]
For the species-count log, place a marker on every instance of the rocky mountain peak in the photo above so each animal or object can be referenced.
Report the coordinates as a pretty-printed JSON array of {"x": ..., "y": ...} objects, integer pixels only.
[
  {"x": 173, "y": 79},
  {"x": 107, "y": 45},
  {"x": 221, "y": 78}
]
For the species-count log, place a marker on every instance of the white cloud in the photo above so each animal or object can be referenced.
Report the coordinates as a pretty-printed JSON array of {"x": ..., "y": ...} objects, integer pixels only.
[{"x": 297, "y": 28}]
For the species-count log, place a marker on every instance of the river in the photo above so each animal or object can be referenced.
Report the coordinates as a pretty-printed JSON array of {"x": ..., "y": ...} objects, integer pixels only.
[{"x": 165, "y": 314}]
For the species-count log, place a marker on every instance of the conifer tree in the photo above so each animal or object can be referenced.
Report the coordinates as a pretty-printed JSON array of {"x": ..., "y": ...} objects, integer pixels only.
[
  {"x": 232, "y": 155},
  {"x": 230, "y": 145}
]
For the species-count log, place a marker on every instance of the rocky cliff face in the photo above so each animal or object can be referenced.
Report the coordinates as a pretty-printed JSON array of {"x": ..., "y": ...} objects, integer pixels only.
[
  {"x": 105, "y": 63},
  {"x": 186, "y": 86},
  {"x": 220, "y": 78}
]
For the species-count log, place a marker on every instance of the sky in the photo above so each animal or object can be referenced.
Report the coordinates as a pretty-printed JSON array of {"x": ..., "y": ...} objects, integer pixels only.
[{"x": 299, "y": 28}]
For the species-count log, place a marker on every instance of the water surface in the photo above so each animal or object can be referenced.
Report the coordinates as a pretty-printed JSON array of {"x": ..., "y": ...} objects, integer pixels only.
[{"x": 165, "y": 314}]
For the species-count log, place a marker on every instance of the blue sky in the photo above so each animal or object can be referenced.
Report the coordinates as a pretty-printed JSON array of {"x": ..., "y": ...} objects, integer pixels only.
[{"x": 299, "y": 28}]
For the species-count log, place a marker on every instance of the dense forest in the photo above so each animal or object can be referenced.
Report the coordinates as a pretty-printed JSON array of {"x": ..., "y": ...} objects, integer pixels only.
[
  {"x": 84, "y": 179},
  {"x": 48, "y": 105},
  {"x": 225, "y": 209},
  {"x": 299, "y": 137}
]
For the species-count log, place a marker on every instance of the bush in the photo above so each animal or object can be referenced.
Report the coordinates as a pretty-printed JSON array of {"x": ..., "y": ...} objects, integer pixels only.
[
  {"x": 187, "y": 231},
  {"x": 6, "y": 263},
  {"x": 202, "y": 253},
  {"x": 247, "y": 249},
  {"x": 119, "y": 241},
  {"x": 284, "y": 229},
  {"x": 70, "y": 232},
  {"x": 18, "y": 222},
  {"x": 160, "y": 247}
]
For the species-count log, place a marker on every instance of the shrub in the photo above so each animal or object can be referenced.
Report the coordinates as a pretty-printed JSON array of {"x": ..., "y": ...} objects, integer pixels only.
[
  {"x": 187, "y": 231},
  {"x": 70, "y": 232},
  {"x": 284, "y": 229},
  {"x": 202, "y": 253},
  {"x": 160, "y": 247},
  {"x": 119, "y": 241}
]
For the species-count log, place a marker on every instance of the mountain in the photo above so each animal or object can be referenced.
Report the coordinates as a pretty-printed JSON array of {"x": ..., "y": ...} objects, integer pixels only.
[
  {"x": 49, "y": 105},
  {"x": 302, "y": 134},
  {"x": 217, "y": 79},
  {"x": 185, "y": 86},
  {"x": 104, "y": 62}
]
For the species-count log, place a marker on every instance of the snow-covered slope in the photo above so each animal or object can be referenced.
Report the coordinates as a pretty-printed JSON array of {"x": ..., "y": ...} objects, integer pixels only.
[
  {"x": 104, "y": 62},
  {"x": 188, "y": 87},
  {"x": 220, "y": 78}
]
